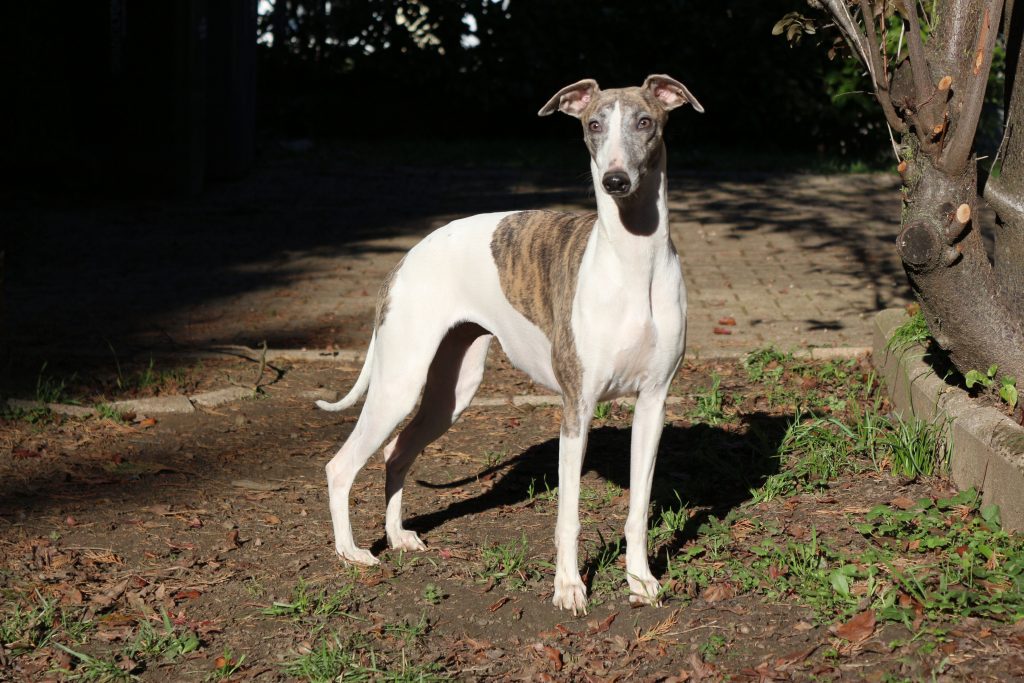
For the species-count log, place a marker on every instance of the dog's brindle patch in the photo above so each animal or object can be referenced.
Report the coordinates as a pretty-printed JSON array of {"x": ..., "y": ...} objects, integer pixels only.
[
  {"x": 538, "y": 254},
  {"x": 384, "y": 296}
]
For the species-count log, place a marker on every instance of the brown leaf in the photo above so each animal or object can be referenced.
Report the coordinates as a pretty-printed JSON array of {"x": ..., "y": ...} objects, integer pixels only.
[
  {"x": 602, "y": 626},
  {"x": 699, "y": 669},
  {"x": 109, "y": 634},
  {"x": 903, "y": 503},
  {"x": 72, "y": 596},
  {"x": 727, "y": 320},
  {"x": 110, "y": 594},
  {"x": 857, "y": 629},
  {"x": 232, "y": 541},
  {"x": 550, "y": 654},
  {"x": 795, "y": 657},
  {"x": 721, "y": 590},
  {"x": 183, "y": 595},
  {"x": 148, "y": 422},
  {"x": 272, "y": 519},
  {"x": 478, "y": 645},
  {"x": 23, "y": 453},
  {"x": 499, "y": 604},
  {"x": 721, "y": 330}
]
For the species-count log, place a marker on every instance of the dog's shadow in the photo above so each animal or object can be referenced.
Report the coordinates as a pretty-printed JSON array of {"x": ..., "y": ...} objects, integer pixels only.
[{"x": 708, "y": 468}]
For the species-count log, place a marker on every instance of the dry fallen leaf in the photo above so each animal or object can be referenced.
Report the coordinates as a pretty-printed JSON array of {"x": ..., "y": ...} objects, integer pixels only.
[
  {"x": 549, "y": 653},
  {"x": 727, "y": 320},
  {"x": 721, "y": 330},
  {"x": 699, "y": 669},
  {"x": 718, "y": 591},
  {"x": 499, "y": 604},
  {"x": 602, "y": 626},
  {"x": 903, "y": 503},
  {"x": 857, "y": 629}
]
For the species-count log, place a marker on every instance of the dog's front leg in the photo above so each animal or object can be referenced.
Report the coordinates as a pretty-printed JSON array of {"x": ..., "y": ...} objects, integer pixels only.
[
  {"x": 648, "y": 421},
  {"x": 570, "y": 592}
]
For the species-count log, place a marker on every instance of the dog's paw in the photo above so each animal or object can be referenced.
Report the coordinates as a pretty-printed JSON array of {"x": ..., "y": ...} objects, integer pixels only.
[
  {"x": 406, "y": 540},
  {"x": 645, "y": 591},
  {"x": 570, "y": 593},
  {"x": 358, "y": 556}
]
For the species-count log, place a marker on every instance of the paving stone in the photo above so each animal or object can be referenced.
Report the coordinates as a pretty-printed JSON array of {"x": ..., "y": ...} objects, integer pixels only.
[{"x": 160, "y": 404}]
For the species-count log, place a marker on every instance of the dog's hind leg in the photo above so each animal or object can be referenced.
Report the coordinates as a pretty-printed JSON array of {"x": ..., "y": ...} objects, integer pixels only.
[
  {"x": 452, "y": 381},
  {"x": 396, "y": 379}
]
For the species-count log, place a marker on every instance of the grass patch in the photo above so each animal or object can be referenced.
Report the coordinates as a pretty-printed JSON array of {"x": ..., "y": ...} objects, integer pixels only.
[
  {"x": 334, "y": 659},
  {"x": 167, "y": 641},
  {"x": 307, "y": 601},
  {"x": 961, "y": 560},
  {"x": 913, "y": 331},
  {"x": 708, "y": 408},
  {"x": 507, "y": 563},
  {"x": 27, "y": 627}
]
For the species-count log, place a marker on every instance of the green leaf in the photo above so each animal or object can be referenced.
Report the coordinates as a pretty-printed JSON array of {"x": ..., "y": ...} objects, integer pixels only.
[
  {"x": 975, "y": 377},
  {"x": 990, "y": 513},
  {"x": 1008, "y": 392},
  {"x": 840, "y": 583}
]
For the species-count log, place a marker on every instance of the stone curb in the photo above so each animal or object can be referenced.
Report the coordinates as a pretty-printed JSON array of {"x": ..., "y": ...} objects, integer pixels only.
[
  {"x": 986, "y": 447},
  {"x": 187, "y": 404},
  {"x": 147, "y": 406},
  {"x": 359, "y": 355}
]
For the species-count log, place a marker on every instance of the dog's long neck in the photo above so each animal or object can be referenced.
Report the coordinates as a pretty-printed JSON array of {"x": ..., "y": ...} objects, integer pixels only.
[{"x": 636, "y": 227}]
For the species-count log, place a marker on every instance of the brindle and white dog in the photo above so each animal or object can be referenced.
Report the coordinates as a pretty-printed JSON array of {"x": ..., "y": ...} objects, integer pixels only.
[{"x": 593, "y": 307}]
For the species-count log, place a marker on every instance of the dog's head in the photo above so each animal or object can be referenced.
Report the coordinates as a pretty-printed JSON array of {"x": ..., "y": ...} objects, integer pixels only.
[{"x": 622, "y": 127}]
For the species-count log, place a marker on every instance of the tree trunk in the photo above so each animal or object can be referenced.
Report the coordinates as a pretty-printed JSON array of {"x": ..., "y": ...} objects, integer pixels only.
[
  {"x": 949, "y": 270},
  {"x": 973, "y": 313},
  {"x": 934, "y": 99},
  {"x": 1005, "y": 192}
]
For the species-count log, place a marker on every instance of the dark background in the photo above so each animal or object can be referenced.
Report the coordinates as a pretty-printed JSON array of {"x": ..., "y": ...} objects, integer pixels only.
[
  {"x": 162, "y": 159},
  {"x": 135, "y": 96}
]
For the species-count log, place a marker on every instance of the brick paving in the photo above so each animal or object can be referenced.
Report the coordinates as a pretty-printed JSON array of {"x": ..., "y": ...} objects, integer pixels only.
[{"x": 295, "y": 252}]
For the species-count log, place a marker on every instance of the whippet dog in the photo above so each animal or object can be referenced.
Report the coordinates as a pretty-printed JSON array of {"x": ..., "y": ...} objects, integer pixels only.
[{"x": 593, "y": 307}]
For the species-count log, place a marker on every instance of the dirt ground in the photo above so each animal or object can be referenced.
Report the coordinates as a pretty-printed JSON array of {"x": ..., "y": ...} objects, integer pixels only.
[{"x": 199, "y": 547}]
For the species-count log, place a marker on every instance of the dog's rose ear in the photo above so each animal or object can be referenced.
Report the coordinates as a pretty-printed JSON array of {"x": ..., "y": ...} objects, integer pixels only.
[
  {"x": 572, "y": 99},
  {"x": 670, "y": 92}
]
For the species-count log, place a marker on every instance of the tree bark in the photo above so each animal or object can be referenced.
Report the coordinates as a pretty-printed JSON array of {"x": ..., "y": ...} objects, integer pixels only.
[
  {"x": 967, "y": 306},
  {"x": 949, "y": 271},
  {"x": 1005, "y": 192},
  {"x": 974, "y": 311}
]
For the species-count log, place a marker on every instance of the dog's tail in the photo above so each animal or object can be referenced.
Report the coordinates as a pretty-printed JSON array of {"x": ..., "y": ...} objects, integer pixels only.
[{"x": 360, "y": 387}]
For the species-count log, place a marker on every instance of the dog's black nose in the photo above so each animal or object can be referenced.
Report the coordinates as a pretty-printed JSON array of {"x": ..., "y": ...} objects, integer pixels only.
[{"x": 616, "y": 182}]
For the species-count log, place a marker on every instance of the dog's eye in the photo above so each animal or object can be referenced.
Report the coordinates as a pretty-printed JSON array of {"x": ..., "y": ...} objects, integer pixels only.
[
  {"x": 644, "y": 122},
  {"x": 595, "y": 126}
]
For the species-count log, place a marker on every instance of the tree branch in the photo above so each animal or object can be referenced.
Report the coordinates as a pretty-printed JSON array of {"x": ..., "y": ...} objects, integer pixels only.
[
  {"x": 868, "y": 55},
  {"x": 970, "y": 95},
  {"x": 848, "y": 27},
  {"x": 918, "y": 62},
  {"x": 879, "y": 85}
]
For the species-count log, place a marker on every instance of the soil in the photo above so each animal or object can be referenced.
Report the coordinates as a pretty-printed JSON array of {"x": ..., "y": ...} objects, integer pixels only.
[{"x": 218, "y": 522}]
